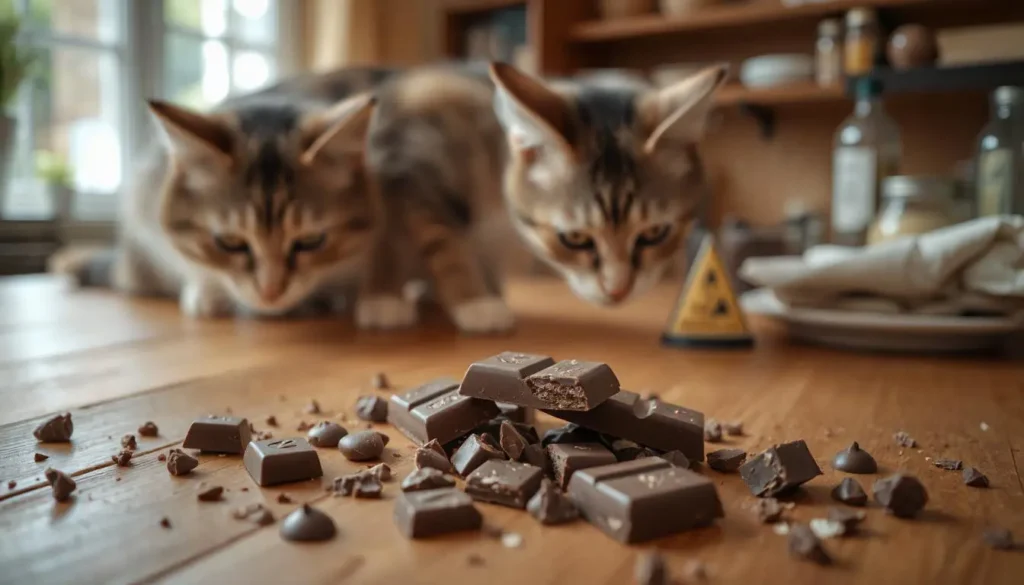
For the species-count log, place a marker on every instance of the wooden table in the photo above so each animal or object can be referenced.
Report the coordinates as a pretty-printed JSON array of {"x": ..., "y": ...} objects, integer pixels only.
[{"x": 116, "y": 363}]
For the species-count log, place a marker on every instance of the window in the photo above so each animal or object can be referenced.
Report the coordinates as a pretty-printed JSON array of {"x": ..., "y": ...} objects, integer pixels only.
[{"x": 83, "y": 104}]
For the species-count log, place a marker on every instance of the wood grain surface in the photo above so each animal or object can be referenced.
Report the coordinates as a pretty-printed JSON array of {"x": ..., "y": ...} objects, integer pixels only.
[{"x": 115, "y": 363}]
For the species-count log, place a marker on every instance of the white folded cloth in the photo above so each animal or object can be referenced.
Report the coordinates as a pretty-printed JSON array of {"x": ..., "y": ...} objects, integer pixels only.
[{"x": 977, "y": 266}]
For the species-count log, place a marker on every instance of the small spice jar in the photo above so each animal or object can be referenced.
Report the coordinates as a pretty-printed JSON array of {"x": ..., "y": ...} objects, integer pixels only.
[
  {"x": 829, "y": 53},
  {"x": 913, "y": 205},
  {"x": 863, "y": 41}
]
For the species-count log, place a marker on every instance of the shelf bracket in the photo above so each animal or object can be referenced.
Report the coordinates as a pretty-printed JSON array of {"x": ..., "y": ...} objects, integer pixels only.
[{"x": 764, "y": 116}]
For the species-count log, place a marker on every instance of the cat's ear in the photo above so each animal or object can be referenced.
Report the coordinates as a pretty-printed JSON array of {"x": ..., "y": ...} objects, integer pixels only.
[
  {"x": 534, "y": 116},
  {"x": 678, "y": 113},
  {"x": 340, "y": 131},
  {"x": 191, "y": 134}
]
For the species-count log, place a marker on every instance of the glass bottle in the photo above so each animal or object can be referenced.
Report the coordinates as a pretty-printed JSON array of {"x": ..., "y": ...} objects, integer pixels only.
[
  {"x": 1000, "y": 167},
  {"x": 829, "y": 53},
  {"x": 863, "y": 41},
  {"x": 867, "y": 149}
]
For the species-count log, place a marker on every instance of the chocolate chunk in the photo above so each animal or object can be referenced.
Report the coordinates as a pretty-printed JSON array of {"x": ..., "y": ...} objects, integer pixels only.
[
  {"x": 362, "y": 485},
  {"x": 255, "y": 513},
  {"x": 512, "y": 443},
  {"x": 537, "y": 456},
  {"x": 550, "y": 506},
  {"x": 270, "y": 421},
  {"x": 326, "y": 434},
  {"x": 422, "y": 514},
  {"x": 974, "y": 478},
  {"x": 380, "y": 381},
  {"x": 307, "y": 524},
  {"x": 209, "y": 494},
  {"x": 363, "y": 445},
  {"x": 904, "y": 440},
  {"x": 507, "y": 483},
  {"x": 568, "y": 458},
  {"x": 313, "y": 407},
  {"x": 426, "y": 478},
  {"x": 436, "y": 410},
  {"x": 572, "y": 385},
  {"x": 218, "y": 434},
  {"x": 180, "y": 462},
  {"x": 502, "y": 378},
  {"x": 770, "y": 510},
  {"x": 281, "y": 461},
  {"x": 780, "y": 469},
  {"x": 850, "y": 519},
  {"x": 949, "y": 464},
  {"x": 804, "y": 544},
  {"x": 473, "y": 453},
  {"x": 475, "y": 560},
  {"x": 677, "y": 458},
  {"x": 712, "y": 431},
  {"x": 650, "y": 569},
  {"x": 626, "y": 450},
  {"x": 432, "y": 455},
  {"x": 726, "y": 460},
  {"x": 372, "y": 408},
  {"x": 122, "y": 459},
  {"x": 12, "y": 484},
  {"x": 570, "y": 433},
  {"x": 850, "y": 493},
  {"x": 853, "y": 459},
  {"x": 998, "y": 538},
  {"x": 303, "y": 426},
  {"x": 651, "y": 423},
  {"x": 39, "y": 457},
  {"x": 644, "y": 499},
  {"x": 381, "y": 471},
  {"x": 902, "y": 495},
  {"x": 165, "y": 522},
  {"x": 516, "y": 413},
  {"x": 129, "y": 442},
  {"x": 148, "y": 429},
  {"x": 733, "y": 429},
  {"x": 55, "y": 430},
  {"x": 284, "y": 498},
  {"x": 61, "y": 484}
]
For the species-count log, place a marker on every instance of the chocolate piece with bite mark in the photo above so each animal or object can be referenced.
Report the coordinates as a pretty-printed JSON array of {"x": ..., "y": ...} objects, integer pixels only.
[
  {"x": 57, "y": 429},
  {"x": 219, "y": 434},
  {"x": 436, "y": 410},
  {"x": 372, "y": 408},
  {"x": 307, "y": 524},
  {"x": 61, "y": 484},
  {"x": 180, "y": 462},
  {"x": 726, "y": 460},
  {"x": 550, "y": 506},
  {"x": 507, "y": 483},
  {"x": 326, "y": 434},
  {"x": 974, "y": 478},
  {"x": 902, "y": 495},
  {"x": 568, "y": 458},
  {"x": 473, "y": 453},
  {"x": 502, "y": 378},
  {"x": 148, "y": 429},
  {"x": 363, "y": 445},
  {"x": 804, "y": 544},
  {"x": 850, "y": 492},
  {"x": 422, "y": 514},
  {"x": 280, "y": 461},
  {"x": 853, "y": 459},
  {"x": 572, "y": 385},
  {"x": 426, "y": 478},
  {"x": 780, "y": 469}
]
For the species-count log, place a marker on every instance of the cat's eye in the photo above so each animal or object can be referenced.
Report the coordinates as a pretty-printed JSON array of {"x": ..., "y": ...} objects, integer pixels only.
[
  {"x": 653, "y": 235},
  {"x": 231, "y": 244},
  {"x": 310, "y": 242},
  {"x": 576, "y": 240}
]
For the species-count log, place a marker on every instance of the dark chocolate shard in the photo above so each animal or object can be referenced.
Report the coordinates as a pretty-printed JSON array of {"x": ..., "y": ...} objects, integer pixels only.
[
  {"x": 436, "y": 410},
  {"x": 61, "y": 484},
  {"x": 362, "y": 445},
  {"x": 503, "y": 482},
  {"x": 650, "y": 569},
  {"x": 473, "y": 453},
  {"x": 570, "y": 433},
  {"x": 902, "y": 496},
  {"x": 372, "y": 408},
  {"x": 502, "y": 378},
  {"x": 426, "y": 478},
  {"x": 180, "y": 462},
  {"x": 568, "y": 458},
  {"x": 39, "y": 457},
  {"x": 572, "y": 385},
  {"x": 512, "y": 442},
  {"x": 999, "y": 538},
  {"x": 850, "y": 492},
  {"x": 57, "y": 429},
  {"x": 805, "y": 545},
  {"x": 326, "y": 434},
  {"x": 726, "y": 460},
  {"x": 550, "y": 506},
  {"x": 904, "y": 440},
  {"x": 209, "y": 494},
  {"x": 271, "y": 421},
  {"x": 974, "y": 478},
  {"x": 422, "y": 514},
  {"x": 949, "y": 464},
  {"x": 853, "y": 459},
  {"x": 780, "y": 469},
  {"x": 307, "y": 524},
  {"x": 712, "y": 431}
]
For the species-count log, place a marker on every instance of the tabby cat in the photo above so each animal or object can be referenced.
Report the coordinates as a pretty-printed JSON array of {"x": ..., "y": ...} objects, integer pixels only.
[{"x": 604, "y": 174}]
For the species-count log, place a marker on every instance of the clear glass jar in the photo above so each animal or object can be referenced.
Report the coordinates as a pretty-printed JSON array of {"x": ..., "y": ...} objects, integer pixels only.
[
  {"x": 829, "y": 53},
  {"x": 863, "y": 41},
  {"x": 913, "y": 206}
]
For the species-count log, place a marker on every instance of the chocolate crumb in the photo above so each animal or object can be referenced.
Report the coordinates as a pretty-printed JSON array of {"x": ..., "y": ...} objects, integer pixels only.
[
  {"x": 39, "y": 457},
  {"x": 998, "y": 538},
  {"x": 974, "y": 478},
  {"x": 284, "y": 498},
  {"x": 804, "y": 544},
  {"x": 129, "y": 442},
  {"x": 380, "y": 381},
  {"x": 850, "y": 519},
  {"x": 165, "y": 522},
  {"x": 313, "y": 407},
  {"x": 270, "y": 421},
  {"x": 949, "y": 464},
  {"x": 255, "y": 513},
  {"x": 303, "y": 426},
  {"x": 12, "y": 484},
  {"x": 712, "y": 431},
  {"x": 161, "y": 457},
  {"x": 122, "y": 459},
  {"x": 210, "y": 494},
  {"x": 57, "y": 429},
  {"x": 148, "y": 429},
  {"x": 650, "y": 569},
  {"x": 734, "y": 429},
  {"x": 904, "y": 440},
  {"x": 475, "y": 560}
]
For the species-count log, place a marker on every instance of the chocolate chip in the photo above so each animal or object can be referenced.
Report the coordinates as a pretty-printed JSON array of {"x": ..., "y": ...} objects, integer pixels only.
[
  {"x": 726, "y": 460},
  {"x": 999, "y": 538},
  {"x": 180, "y": 462},
  {"x": 432, "y": 455},
  {"x": 426, "y": 478},
  {"x": 974, "y": 478},
  {"x": 550, "y": 506},
  {"x": 804, "y": 544},
  {"x": 372, "y": 408},
  {"x": 712, "y": 431},
  {"x": 122, "y": 459},
  {"x": 850, "y": 519},
  {"x": 209, "y": 494},
  {"x": 55, "y": 430},
  {"x": 129, "y": 442},
  {"x": 902, "y": 495},
  {"x": 512, "y": 442},
  {"x": 326, "y": 434},
  {"x": 949, "y": 464},
  {"x": 650, "y": 569},
  {"x": 850, "y": 492},
  {"x": 770, "y": 510},
  {"x": 362, "y": 445},
  {"x": 904, "y": 440},
  {"x": 270, "y": 421},
  {"x": 734, "y": 429},
  {"x": 39, "y": 457},
  {"x": 313, "y": 407},
  {"x": 165, "y": 522},
  {"x": 307, "y": 524},
  {"x": 853, "y": 459},
  {"x": 284, "y": 498},
  {"x": 380, "y": 381},
  {"x": 60, "y": 484}
]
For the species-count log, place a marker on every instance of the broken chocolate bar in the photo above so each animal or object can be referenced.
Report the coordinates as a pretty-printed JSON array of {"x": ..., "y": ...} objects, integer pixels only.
[
  {"x": 572, "y": 385},
  {"x": 644, "y": 499},
  {"x": 218, "y": 434},
  {"x": 780, "y": 469},
  {"x": 502, "y": 378},
  {"x": 473, "y": 453},
  {"x": 421, "y": 514},
  {"x": 651, "y": 423},
  {"x": 436, "y": 410},
  {"x": 361, "y": 485},
  {"x": 55, "y": 430},
  {"x": 568, "y": 458},
  {"x": 507, "y": 483},
  {"x": 280, "y": 461}
]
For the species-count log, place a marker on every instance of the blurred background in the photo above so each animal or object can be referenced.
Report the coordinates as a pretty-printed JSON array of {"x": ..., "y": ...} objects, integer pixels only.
[{"x": 829, "y": 98}]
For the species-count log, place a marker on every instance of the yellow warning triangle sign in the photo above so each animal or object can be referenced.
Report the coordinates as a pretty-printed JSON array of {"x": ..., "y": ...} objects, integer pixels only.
[{"x": 707, "y": 314}]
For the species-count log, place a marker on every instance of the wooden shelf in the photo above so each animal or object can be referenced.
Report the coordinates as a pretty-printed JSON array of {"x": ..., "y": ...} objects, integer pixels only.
[
  {"x": 947, "y": 79},
  {"x": 466, "y": 6},
  {"x": 796, "y": 93},
  {"x": 727, "y": 16}
]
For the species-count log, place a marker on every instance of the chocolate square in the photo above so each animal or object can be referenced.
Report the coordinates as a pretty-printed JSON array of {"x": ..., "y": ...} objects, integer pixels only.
[
  {"x": 277, "y": 461},
  {"x": 218, "y": 434},
  {"x": 568, "y": 458},
  {"x": 504, "y": 482},
  {"x": 436, "y": 410},
  {"x": 421, "y": 514},
  {"x": 502, "y": 378}
]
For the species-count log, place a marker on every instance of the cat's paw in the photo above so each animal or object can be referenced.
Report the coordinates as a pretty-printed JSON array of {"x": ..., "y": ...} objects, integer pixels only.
[
  {"x": 483, "y": 315},
  {"x": 385, "y": 312},
  {"x": 201, "y": 302}
]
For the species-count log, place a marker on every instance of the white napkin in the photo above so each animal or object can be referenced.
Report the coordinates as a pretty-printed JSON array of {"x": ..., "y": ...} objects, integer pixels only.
[{"x": 973, "y": 266}]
